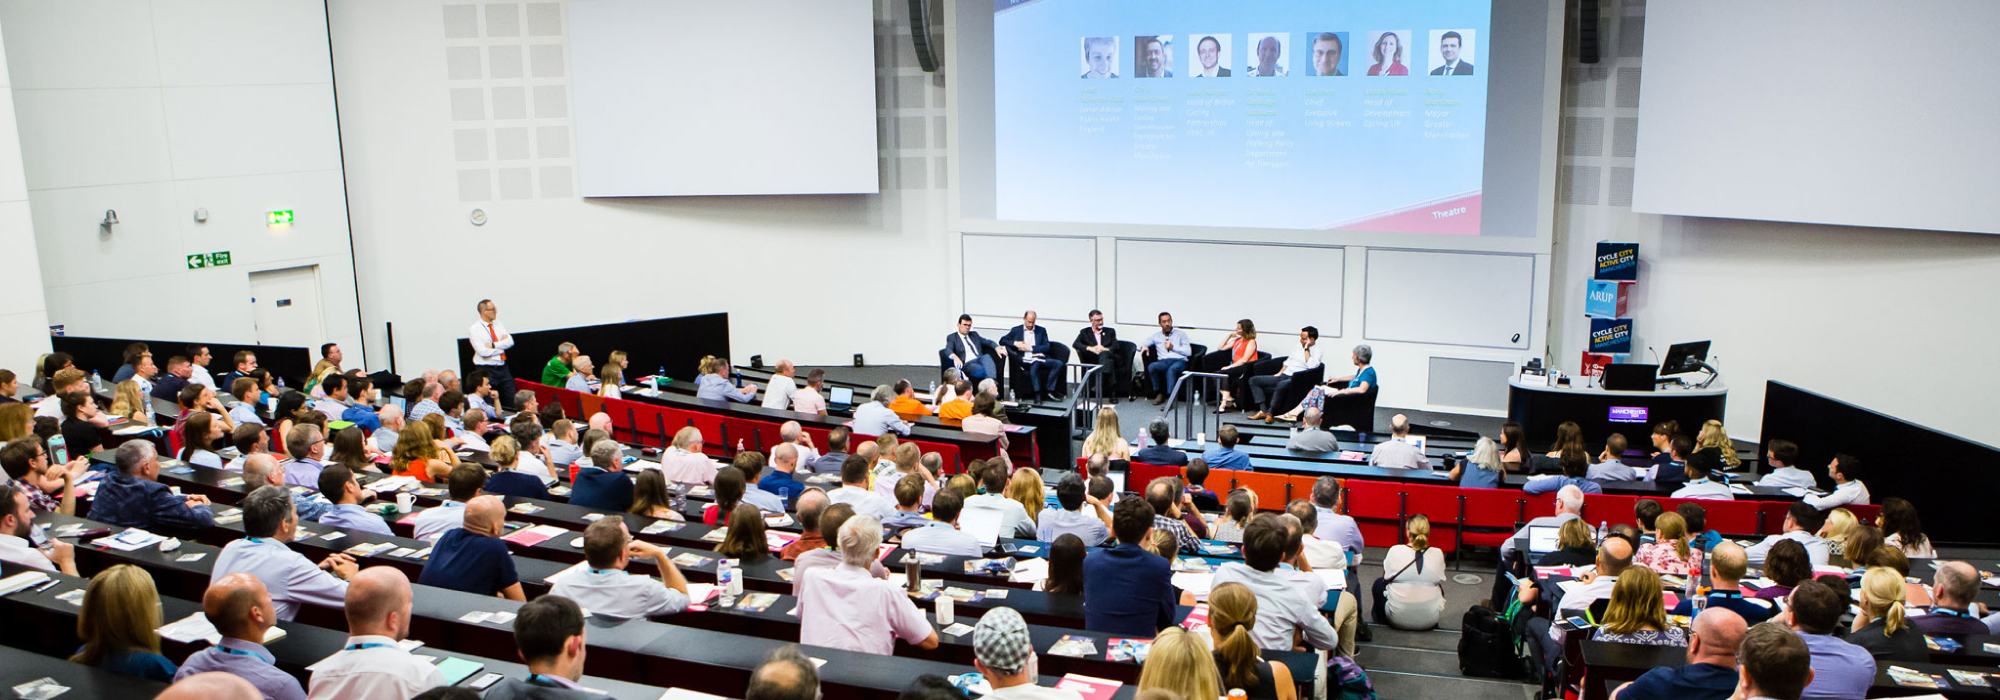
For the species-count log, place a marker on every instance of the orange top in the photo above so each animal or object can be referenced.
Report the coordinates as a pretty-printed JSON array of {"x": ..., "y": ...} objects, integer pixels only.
[
  {"x": 1246, "y": 350},
  {"x": 954, "y": 412},
  {"x": 909, "y": 408}
]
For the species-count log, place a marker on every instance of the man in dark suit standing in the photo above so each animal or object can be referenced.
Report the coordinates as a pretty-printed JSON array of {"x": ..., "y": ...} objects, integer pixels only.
[
  {"x": 1030, "y": 344},
  {"x": 1448, "y": 46},
  {"x": 1098, "y": 345},
  {"x": 968, "y": 351}
]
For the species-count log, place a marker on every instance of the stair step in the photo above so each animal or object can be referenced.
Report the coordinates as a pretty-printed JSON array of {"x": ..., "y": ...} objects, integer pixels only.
[
  {"x": 1429, "y": 640},
  {"x": 1396, "y": 685},
  {"x": 1407, "y": 659}
]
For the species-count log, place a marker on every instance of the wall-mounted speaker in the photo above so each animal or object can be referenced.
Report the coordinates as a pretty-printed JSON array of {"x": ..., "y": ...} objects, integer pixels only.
[
  {"x": 920, "y": 35},
  {"x": 1586, "y": 31}
]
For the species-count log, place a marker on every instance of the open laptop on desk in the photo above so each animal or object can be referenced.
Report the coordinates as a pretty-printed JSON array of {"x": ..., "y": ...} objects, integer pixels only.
[
  {"x": 840, "y": 396},
  {"x": 1629, "y": 377},
  {"x": 1543, "y": 539}
]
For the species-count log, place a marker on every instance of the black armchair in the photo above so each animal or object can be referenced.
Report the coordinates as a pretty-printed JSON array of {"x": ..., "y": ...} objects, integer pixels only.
[
  {"x": 1196, "y": 353},
  {"x": 1353, "y": 410},
  {"x": 1017, "y": 375},
  {"x": 1118, "y": 373},
  {"x": 1302, "y": 384}
]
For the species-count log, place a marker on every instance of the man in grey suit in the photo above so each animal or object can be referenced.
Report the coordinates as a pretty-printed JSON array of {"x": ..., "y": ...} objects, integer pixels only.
[
  {"x": 549, "y": 632},
  {"x": 1310, "y": 438}
]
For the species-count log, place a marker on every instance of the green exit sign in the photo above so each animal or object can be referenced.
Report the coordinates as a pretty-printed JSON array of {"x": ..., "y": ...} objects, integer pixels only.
[
  {"x": 199, "y": 261},
  {"x": 278, "y": 218}
]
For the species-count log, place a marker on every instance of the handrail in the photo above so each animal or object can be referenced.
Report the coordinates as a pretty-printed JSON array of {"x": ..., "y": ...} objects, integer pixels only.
[
  {"x": 1089, "y": 379},
  {"x": 1196, "y": 413}
]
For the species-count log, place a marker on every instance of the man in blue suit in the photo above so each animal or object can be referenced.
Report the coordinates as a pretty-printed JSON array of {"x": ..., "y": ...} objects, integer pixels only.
[
  {"x": 968, "y": 351},
  {"x": 1128, "y": 591},
  {"x": 1030, "y": 344}
]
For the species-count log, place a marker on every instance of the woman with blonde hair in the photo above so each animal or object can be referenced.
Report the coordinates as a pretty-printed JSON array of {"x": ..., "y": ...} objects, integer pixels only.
[
  {"x": 1232, "y": 611},
  {"x": 610, "y": 377},
  {"x": 1411, "y": 596},
  {"x": 17, "y": 420},
  {"x": 130, "y": 403},
  {"x": 1638, "y": 612},
  {"x": 1573, "y": 546},
  {"x": 317, "y": 377},
  {"x": 1839, "y": 522},
  {"x": 1713, "y": 435},
  {"x": 121, "y": 610},
  {"x": 509, "y": 480},
  {"x": 1180, "y": 663},
  {"x": 1105, "y": 440},
  {"x": 1883, "y": 627},
  {"x": 416, "y": 454},
  {"x": 1025, "y": 488},
  {"x": 1485, "y": 465},
  {"x": 1669, "y": 553}
]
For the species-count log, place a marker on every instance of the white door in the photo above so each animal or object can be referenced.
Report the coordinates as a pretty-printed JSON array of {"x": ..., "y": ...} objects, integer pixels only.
[{"x": 286, "y": 307}]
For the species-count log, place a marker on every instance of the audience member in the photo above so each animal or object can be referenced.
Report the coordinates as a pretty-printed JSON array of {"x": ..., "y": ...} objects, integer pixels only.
[
  {"x": 1399, "y": 452},
  {"x": 1783, "y": 456},
  {"x": 1847, "y": 487},
  {"x": 876, "y": 418},
  {"x": 931, "y": 686},
  {"x": 1710, "y": 672},
  {"x": 1180, "y": 663},
  {"x": 845, "y": 607},
  {"x": 909, "y": 506},
  {"x": 836, "y": 453},
  {"x": 339, "y": 486},
  {"x": 604, "y": 488},
  {"x": 751, "y": 465},
  {"x": 809, "y": 399},
  {"x": 465, "y": 483},
  {"x": 1881, "y": 626},
  {"x": 1015, "y": 521},
  {"x": 510, "y": 479},
  {"x": 1167, "y": 499},
  {"x": 372, "y": 665},
  {"x": 1283, "y": 608},
  {"x": 1003, "y": 652},
  {"x": 562, "y": 444},
  {"x": 650, "y": 497},
  {"x": 955, "y": 411},
  {"x": 854, "y": 490},
  {"x": 269, "y": 522},
  {"x": 1232, "y": 614},
  {"x": 607, "y": 587},
  {"x": 1956, "y": 585},
  {"x": 1840, "y": 669},
  {"x": 1702, "y": 468},
  {"x": 1669, "y": 552},
  {"x": 1775, "y": 663},
  {"x": 1093, "y": 527},
  {"x": 1224, "y": 454},
  {"x": 1411, "y": 595},
  {"x": 121, "y": 610},
  {"x": 1575, "y": 472},
  {"x": 745, "y": 540},
  {"x": 306, "y": 445},
  {"x": 685, "y": 462},
  {"x": 390, "y": 434},
  {"x": 986, "y": 418},
  {"x": 215, "y": 685},
  {"x": 1236, "y": 513},
  {"x": 239, "y": 606},
  {"x": 906, "y": 405},
  {"x": 1801, "y": 520},
  {"x": 17, "y": 524},
  {"x": 786, "y": 674},
  {"x": 1610, "y": 464},
  {"x": 472, "y": 557},
  {"x": 828, "y": 555},
  {"x": 811, "y": 506},
  {"x": 1904, "y": 530},
  {"x": 1574, "y": 546},
  {"x": 1787, "y": 565},
  {"x": 1310, "y": 437},
  {"x": 1127, "y": 591},
  {"x": 549, "y": 633},
  {"x": 1158, "y": 451},
  {"x": 1725, "y": 576},
  {"x": 948, "y": 539},
  {"x": 1066, "y": 555},
  {"x": 134, "y": 497},
  {"x": 1637, "y": 613},
  {"x": 48, "y": 487},
  {"x": 80, "y": 429},
  {"x": 262, "y": 470}
]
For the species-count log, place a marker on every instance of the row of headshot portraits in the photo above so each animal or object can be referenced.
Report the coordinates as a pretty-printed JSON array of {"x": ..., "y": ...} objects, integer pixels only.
[{"x": 1270, "y": 54}]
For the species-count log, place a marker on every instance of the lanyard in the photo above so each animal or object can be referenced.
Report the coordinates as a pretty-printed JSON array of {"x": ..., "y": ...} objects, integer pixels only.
[
  {"x": 367, "y": 645},
  {"x": 607, "y": 571},
  {"x": 255, "y": 655},
  {"x": 1951, "y": 612},
  {"x": 539, "y": 679}
]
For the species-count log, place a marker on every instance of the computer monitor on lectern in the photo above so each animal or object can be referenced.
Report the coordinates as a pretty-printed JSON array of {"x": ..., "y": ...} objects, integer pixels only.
[{"x": 1684, "y": 357}]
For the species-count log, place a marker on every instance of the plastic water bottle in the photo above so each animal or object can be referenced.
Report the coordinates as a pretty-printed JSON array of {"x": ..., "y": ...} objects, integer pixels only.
[
  {"x": 96, "y": 382},
  {"x": 1603, "y": 531},
  {"x": 660, "y": 378},
  {"x": 725, "y": 581}
]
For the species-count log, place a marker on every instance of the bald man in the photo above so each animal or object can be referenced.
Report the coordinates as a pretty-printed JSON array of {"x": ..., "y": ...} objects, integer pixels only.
[
  {"x": 472, "y": 557},
  {"x": 240, "y": 608},
  {"x": 601, "y": 421},
  {"x": 791, "y": 432},
  {"x": 1956, "y": 584},
  {"x": 213, "y": 685},
  {"x": 371, "y": 666},
  {"x": 1710, "y": 673},
  {"x": 1726, "y": 566},
  {"x": 778, "y": 394},
  {"x": 782, "y": 482},
  {"x": 1399, "y": 452}
]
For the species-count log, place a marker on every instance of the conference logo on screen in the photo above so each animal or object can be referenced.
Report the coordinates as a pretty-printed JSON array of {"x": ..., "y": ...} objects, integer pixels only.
[
  {"x": 1627, "y": 414},
  {"x": 1617, "y": 261},
  {"x": 1611, "y": 335}
]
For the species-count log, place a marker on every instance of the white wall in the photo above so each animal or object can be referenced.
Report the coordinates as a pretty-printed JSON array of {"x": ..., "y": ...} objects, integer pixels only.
[
  {"x": 157, "y": 108},
  {"x": 24, "y": 318},
  {"x": 450, "y": 106},
  {"x": 1898, "y": 321}
]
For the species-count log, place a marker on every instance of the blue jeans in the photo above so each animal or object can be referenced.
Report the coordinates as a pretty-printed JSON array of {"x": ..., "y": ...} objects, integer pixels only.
[
  {"x": 1045, "y": 375},
  {"x": 981, "y": 369},
  {"x": 1164, "y": 372}
]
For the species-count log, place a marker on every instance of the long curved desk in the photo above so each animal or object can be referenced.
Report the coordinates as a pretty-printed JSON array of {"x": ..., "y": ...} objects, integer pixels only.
[{"x": 1539, "y": 409}]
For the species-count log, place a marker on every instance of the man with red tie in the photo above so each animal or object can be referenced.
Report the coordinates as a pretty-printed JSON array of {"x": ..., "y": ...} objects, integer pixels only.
[
  {"x": 1099, "y": 344},
  {"x": 490, "y": 341}
]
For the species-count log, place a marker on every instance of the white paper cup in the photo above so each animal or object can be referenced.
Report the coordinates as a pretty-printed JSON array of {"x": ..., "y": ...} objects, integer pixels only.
[{"x": 944, "y": 609}]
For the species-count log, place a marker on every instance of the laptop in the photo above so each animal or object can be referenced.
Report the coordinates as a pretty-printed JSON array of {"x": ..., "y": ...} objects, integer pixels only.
[
  {"x": 839, "y": 396},
  {"x": 1630, "y": 377},
  {"x": 1542, "y": 539},
  {"x": 983, "y": 524},
  {"x": 1416, "y": 441}
]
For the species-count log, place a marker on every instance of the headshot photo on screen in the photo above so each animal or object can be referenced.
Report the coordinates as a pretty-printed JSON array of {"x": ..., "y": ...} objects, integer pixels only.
[
  {"x": 1390, "y": 52},
  {"x": 1329, "y": 53},
  {"x": 1210, "y": 58},
  {"x": 1153, "y": 56},
  {"x": 1268, "y": 55},
  {"x": 1100, "y": 57},
  {"x": 1451, "y": 52}
]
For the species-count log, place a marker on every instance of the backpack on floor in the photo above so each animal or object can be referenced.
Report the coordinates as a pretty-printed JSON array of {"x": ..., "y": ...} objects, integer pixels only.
[
  {"x": 1346, "y": 680},
  {"x": 1489, "y": 645}
]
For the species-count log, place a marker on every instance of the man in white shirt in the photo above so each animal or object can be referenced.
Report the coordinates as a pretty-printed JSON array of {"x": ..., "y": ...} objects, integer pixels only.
[
  {"x": 605, "y": 587},
  {"x": 778, "y": 393},
  {"x": 1003, "y": 652},
  {"x": 1801, "y": 521},
  {"x": 1283, "y": 609},
  {"x": 1265, "y": 390},
  {"x": 845, "y": 607},
  {"x": 1013, "y": 515},
  {"x": 198, "y": 359},
  {"x": 269, "y": 521},
  {"x": 905, "y": 459},
  {"x": 1326, "y": 557},
  {"x": 795, "y": 435},
  {"x": 1847, "y": 487},
  {"x": 386, "y": 436},
  {"x": 490, "y": 341},
  {"x": 1780, "y": 454},
  {"x": 1093, "y": 526},
  {"x": 1702, "y": 467},
  {"x": 875, "y": 418},
  {"x": 371, "y": 666},
  {"x": 17, "y": 523},
  {"x": 1171, "y": 350},
  {"x": 465, "y": 483},
  {"x": 854, "y": 490},
  {"x": 1612, "y": 559},
  {"x": 943, "y": 540},
  {"x": 1610, "y": 466},
  {"x": 1398, "y": 452}
]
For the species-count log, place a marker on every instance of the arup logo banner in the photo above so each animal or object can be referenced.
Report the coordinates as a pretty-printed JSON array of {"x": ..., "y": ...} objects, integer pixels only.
[
  {"x": 1610, "y": 335},
  {"x": 1617, "y": 261},
  {"x": 1603, "y": 299}
]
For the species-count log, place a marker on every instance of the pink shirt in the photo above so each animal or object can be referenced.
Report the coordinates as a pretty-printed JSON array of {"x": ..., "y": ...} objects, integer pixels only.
[
  {"x": 684, "y": 467},
  {"x": 807, "y": 400},
  {"x": 1660, "y": 557},
  {"x": 845, "y": 608}
]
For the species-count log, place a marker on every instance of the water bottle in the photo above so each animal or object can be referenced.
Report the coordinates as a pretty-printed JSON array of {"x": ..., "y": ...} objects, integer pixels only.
[
  {"x": 1603, "y": 531},
  {"x": 58, "y": 451},
  {"x": 660, "y": 378},
  {"x": 725, "y": 581},
  {"x": 96, "y": 382}
]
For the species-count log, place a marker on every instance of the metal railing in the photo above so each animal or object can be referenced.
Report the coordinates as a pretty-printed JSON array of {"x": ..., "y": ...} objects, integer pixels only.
[
  {"x": 1188, "y": 413},
  {"x": 1089, "y": 380}
]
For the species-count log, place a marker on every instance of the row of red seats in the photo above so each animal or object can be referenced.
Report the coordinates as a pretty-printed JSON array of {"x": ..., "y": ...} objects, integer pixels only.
[
  {"x": 1471, "y": 516},
  {"x": 641, "y": 423}
]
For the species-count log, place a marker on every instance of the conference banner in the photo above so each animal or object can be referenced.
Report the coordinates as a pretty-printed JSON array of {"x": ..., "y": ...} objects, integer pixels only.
[
  {"x": 1617, "y": 261},
  {"x": 1604, "y": 299},
  {"x": 1610, "y": 335}
]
